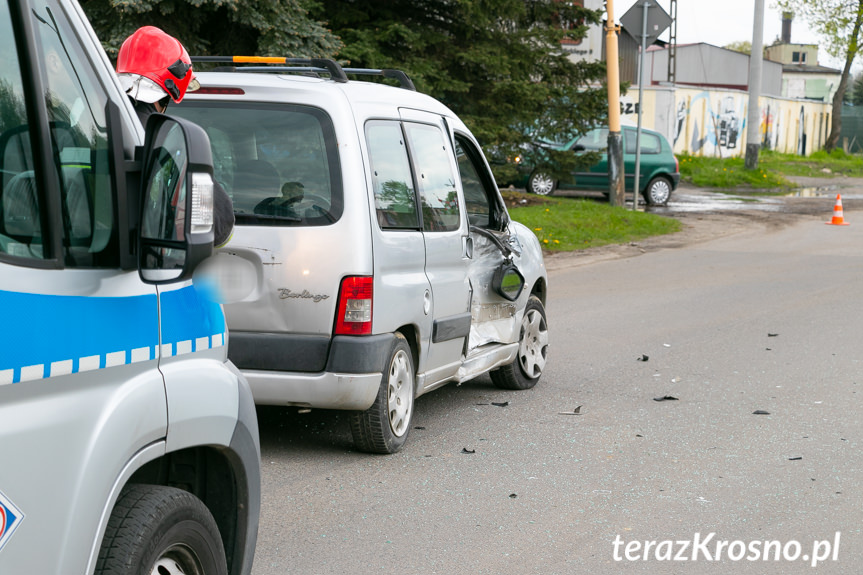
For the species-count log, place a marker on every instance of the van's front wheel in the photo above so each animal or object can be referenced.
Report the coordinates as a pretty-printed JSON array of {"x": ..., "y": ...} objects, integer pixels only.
[
  {"x": 526, "y": 369},
  {"x": 161, "y": 530},
  {"x": 383, "y": 428}
]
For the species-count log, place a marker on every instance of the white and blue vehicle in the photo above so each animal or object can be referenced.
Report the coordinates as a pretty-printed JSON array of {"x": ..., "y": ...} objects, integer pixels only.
[{"x": 128, "y": 442}]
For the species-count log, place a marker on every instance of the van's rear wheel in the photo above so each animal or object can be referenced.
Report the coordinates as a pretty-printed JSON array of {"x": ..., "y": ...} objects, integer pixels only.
[
  {"x": 383, "y": 428},
  {"x": 526, "y": 369},
  {"x": 157, "y": 530}
]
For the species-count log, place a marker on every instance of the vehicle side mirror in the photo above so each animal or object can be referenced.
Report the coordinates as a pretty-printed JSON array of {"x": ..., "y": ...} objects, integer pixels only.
[
  {"x": 176, "y": 217},
  {"x": 508, "y": 281}
]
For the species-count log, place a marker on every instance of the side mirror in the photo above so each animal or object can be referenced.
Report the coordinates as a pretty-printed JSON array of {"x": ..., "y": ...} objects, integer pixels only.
[
  {"x": 508, "y": 281},
  {"x": 176, "y": 217}
]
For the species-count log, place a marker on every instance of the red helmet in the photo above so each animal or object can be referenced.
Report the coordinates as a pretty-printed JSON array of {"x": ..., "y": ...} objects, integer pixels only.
[{"x": 152, "y": 64}]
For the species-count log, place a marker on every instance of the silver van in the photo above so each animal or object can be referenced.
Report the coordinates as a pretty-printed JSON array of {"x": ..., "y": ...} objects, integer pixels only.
[{"x": 386, "y": 262}]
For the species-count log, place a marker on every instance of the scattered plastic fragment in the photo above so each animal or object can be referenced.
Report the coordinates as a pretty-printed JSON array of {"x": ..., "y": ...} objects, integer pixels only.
[
  {"x": 500, "y": 404},
  {"x": 794, "y": 458},
  {"x": 513, "y": 495},
  {"x": 665, "y": 398},
  {"x": 772, "y": 334},
  {"x": 638, "y": 435},
  {"x": 666, "y": 345},
  {"x": 760, "y": 412},
  {"x": 576, "y": 411},
  {"x": 419, "y": 427},
  {"x": 643, "y": 358},
  {"x": 466, "y": 450}
]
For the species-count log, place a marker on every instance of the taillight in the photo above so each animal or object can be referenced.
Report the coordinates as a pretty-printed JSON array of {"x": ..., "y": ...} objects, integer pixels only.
[
  {"x": 219, "y": 91},
  {"x": 354, "y": 316},
  {"x": 676, "y": 165}
]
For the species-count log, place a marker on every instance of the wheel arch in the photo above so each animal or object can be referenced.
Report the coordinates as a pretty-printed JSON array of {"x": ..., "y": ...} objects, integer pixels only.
[
  {"x": 540, "y": 289},
  {"x": 209, "y": 474}
]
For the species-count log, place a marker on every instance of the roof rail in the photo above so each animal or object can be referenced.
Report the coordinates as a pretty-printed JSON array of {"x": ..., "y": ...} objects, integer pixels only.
[
  {"x": 299, "y": 65},
  {"x": 313, "y": 64},
  {"x": 403, "y": 79}
]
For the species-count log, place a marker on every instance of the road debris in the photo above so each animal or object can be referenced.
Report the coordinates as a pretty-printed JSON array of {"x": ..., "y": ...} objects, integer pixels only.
[
  {"x": 466, "y": 450},
  {"x": 643, "y": 358},
  {"x": 576, "y": 411},
  {"x": 665, "y": 398},
  {"x": 760, "y": 412},
  {"x": 500, "y": 404}
]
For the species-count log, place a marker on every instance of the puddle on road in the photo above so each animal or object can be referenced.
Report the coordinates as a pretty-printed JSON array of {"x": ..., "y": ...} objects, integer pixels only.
[
  {"x": 819, "y": 192},
  {"x": 715, "y": 202}
]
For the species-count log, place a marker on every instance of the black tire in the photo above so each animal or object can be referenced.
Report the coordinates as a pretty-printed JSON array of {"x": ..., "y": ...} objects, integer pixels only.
[
  {"x": 657, "y": 191},
  {"x": 541, "y": 183},
  {"x": 526, "y": 369},
  {"x": 384, "y": 427},
  {"x": 157, "y": 529}
]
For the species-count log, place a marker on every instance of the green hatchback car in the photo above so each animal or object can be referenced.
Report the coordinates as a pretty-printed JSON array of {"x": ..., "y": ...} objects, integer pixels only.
[{"x": 659, "y": 172}]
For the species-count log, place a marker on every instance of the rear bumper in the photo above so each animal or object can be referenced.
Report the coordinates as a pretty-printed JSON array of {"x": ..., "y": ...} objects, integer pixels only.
[
  {"x": 323, "y": 390},
  {"x": 312, "y": 371}
]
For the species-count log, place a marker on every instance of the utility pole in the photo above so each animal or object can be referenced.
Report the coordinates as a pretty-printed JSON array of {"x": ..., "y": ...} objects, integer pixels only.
[
  {"x": 753, "y": 118},
  {"x": 615, "y": 139}
]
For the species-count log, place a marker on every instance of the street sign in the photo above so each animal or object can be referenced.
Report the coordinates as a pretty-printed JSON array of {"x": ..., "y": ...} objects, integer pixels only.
[{"x": 657, "y": 21}]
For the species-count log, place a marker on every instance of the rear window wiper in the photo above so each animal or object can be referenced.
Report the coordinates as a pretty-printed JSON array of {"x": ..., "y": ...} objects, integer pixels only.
[{"x": 266, "y": 218}]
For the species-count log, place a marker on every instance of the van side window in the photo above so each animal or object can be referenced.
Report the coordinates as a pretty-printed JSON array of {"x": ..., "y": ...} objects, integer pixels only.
[
  {"x": 20, "y": 218},
  {"x": 479, "y": 192},
  {"x": 79, "y": 136},
  {"x": 434, "y": 177},
  {"x": 395, "y": 200}
]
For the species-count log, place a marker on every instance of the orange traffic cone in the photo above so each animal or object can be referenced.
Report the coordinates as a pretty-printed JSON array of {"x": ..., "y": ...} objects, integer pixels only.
[{"x": 838, "y": 219}]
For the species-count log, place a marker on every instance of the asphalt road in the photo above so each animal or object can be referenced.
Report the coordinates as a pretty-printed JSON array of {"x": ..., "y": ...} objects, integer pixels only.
[{"x": 763, "y": 320}]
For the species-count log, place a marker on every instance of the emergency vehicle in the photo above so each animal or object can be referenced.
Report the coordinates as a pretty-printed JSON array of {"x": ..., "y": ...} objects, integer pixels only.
[{"x": 128, "y": 442}]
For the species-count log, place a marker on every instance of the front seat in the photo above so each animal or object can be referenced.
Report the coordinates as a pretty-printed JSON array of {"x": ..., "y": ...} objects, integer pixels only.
[{"x": 254, "y": 181}]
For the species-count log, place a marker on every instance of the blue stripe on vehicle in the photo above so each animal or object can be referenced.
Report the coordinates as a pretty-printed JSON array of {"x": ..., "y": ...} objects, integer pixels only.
[
  {"x": 189, "y": 317},
  {"x": 52, "y": 335}
]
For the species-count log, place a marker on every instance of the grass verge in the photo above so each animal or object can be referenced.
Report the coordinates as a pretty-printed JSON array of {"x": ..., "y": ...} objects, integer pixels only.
[
  {"x": 564, "y": 225},
  {"x": 772, "y": 172}
]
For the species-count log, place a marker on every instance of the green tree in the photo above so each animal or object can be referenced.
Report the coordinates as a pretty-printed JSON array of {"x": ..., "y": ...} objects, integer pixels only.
[
  {"x": 497, "y": 63},
  {"x": 744, "y": 46},
  {"x": 857, "y": 91},
  {"x": 218, "y": 27},
  {"x": 839, "y": 23}
]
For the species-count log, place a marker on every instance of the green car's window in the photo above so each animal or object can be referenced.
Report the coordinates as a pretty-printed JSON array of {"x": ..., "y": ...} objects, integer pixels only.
[
  {"x": 649, "y": 143},
  {"x": 594, "y": 140}
]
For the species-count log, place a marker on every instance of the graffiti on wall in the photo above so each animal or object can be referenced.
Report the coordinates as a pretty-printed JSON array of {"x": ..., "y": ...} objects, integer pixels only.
[{"x": 711, "y": 129}]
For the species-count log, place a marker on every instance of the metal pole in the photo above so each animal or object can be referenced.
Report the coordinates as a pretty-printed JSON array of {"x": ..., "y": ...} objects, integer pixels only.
[
  {"x": 615, "y": 147},
  {"x": 640, "y": 105},
  {"x": 753, "y": 118}
]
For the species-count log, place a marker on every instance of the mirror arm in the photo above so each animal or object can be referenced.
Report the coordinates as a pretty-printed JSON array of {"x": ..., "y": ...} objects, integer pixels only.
[{"x": 505, "y": 249}]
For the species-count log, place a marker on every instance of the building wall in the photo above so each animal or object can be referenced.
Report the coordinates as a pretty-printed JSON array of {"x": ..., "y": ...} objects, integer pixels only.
[
  {"x": 784, "y": 53},
  {"x": 706, "y": 65},
  {"x": 704, "y": 122}
]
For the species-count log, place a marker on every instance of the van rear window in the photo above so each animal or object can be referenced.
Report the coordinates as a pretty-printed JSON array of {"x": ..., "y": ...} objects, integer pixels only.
[{"x": 279, "y": 163}]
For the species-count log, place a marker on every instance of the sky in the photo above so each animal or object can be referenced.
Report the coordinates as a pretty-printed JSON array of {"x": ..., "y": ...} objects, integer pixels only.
[{"x": 721, "y": 22}]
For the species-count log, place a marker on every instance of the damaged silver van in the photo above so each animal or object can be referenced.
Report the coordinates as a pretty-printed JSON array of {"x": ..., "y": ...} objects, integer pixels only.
[{"x": 386, "y": 262}]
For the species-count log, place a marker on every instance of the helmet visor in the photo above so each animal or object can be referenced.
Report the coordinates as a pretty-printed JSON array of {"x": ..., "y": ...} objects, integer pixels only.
[{"x": 141, "y": 89}]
